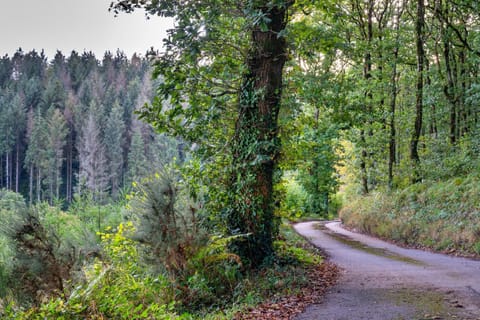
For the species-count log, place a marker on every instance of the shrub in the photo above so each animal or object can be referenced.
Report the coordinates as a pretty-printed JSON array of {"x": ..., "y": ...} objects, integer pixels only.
[
  {"x": 167, "y": 224},
  {"x": 43, "y": 246},
  {"x": 116, "y": 286},
  {"x": 10, "y": 204},
  {"x": 42, "y": 261}
]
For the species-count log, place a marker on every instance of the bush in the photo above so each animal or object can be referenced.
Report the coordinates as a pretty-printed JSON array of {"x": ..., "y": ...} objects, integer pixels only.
[
  {"x": 292, "y": 197},
  {"x": 42, "y": 246},
  {"x": 42, "y": 261},
  {"x": 166, "y": 224},
  {"x": 115, "y": 287},
  {"x": 11, "y": 204}
]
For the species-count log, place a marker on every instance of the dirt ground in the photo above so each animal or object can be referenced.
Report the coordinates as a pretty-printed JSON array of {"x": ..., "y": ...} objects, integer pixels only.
[{"x": 381, "y": 281}]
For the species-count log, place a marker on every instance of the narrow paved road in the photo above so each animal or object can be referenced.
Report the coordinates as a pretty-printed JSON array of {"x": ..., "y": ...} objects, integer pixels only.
[{"x": 381, "y": 281}]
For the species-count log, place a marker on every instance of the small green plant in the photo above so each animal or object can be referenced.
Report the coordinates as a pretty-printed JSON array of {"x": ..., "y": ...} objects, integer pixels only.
[
  {"x": 215, "y": 273},
  {"x": 476, "y": 247}
]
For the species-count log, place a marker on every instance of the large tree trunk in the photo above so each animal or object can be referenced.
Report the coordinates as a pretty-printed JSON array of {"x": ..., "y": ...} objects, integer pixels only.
[
  {"x": 433, "y": 116},
  {"x": 464, "y": 127},
  {"x": 450, "y": 93},
  {"x": 392, "y": 159},
  {"x": 450, "y": 85},
  {"x": 256, "y": 144},
  {"x": 367, "y": 31},
  {"x": 419, "y": 34}
]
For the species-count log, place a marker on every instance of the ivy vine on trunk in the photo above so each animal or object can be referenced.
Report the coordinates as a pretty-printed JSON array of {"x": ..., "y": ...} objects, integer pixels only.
[
  {"x": 256, "y": 144},
  {"x": 222, "y": 90}
]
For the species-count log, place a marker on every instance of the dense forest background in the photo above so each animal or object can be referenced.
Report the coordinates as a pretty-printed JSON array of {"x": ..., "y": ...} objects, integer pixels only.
[{"x": 68, "y": 125}]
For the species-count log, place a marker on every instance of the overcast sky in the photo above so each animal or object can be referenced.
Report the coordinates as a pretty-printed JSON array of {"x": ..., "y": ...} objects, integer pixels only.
[{"x": 81, "y": 25}]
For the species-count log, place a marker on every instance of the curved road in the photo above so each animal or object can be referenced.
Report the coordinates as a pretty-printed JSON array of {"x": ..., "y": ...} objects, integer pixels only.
[{"x": 381, "y": 281}]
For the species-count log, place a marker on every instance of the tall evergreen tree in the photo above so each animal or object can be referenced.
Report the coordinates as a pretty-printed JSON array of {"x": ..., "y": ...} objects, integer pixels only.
[
  {"x": 114, "y": 141},
  {"x": 7, "y": 136},
  {"x": 35, "y": 157},
  {"x": 93, "y": 171},
  {"x": 57, "y": 131},
  {"x": 19, "y": 123},
  {"x": 137, "y": 161},
  {"x": 6, "y": 69}
]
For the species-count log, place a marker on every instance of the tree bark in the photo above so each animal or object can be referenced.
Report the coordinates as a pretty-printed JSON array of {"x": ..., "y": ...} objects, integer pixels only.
[
  {"x": 256, "y": 144},
  {"x": 464, "y": 127},
  {"x": 367, "y": 75},
  {"x": 363, "y": 163},
  {"x": 392, "y": 160},
  {"x": 433, "y": 116},
  {"x": 419, "y": 35}
]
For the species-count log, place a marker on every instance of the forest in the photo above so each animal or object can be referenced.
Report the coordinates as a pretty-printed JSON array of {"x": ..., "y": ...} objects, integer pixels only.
[
  {"x": 68, "y": 125},
  {"x": 160, "y": 187}
]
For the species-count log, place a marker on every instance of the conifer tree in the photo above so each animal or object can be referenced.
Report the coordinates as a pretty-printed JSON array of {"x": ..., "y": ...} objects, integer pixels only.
[
  {"x": 56, "y": 132},
  {"x": 114, "y": 141},
  {"x": 6, "y": 69},
  {"x": 93, "y": 175},
  {"x": 35, "y": 155},
  {"x": 19, "y": 122},
  {"x": 137, "y": 162}
]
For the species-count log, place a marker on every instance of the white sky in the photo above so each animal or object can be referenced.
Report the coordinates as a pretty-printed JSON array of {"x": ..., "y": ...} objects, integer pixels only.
[{"x": 81, "y": 25}]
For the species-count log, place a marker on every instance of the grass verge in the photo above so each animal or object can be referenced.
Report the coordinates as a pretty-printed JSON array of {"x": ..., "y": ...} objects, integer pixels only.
[{"x": 442, "y": 216}]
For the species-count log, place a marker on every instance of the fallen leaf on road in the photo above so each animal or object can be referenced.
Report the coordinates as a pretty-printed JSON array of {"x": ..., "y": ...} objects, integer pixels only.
[{"x": 321, "y": 278}]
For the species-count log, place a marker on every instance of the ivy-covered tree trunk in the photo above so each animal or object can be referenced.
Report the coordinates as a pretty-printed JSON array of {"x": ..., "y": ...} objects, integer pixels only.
[{"x": 256, "y": 144}]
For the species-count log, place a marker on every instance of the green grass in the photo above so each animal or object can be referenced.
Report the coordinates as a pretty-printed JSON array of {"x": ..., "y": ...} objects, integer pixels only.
[{"x": 440, "y": 215}]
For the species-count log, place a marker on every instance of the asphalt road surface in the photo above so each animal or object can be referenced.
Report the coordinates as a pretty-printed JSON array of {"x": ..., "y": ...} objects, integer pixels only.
[{"x": 381, "y": 281}]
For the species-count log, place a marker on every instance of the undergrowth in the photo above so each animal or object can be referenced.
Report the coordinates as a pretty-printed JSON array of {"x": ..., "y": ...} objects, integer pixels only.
[
  {"x": 440, "y": 215},
  {"x": 162, "y": 262},
  {"x": 120, "y": 286}
]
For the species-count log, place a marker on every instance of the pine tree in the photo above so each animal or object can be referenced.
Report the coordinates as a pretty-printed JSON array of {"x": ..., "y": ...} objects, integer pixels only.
[
  {"x": 93, "y": 173},
  {"x": 114, "y": 141},
  {"x": 35, "y": 155},
  {"x": 7, "y": 135},
  {"x": 6, "y": 69},
  {"x": 137, "y": 162},
  {"x": 56, "y": 134},
  {"x": 54, "y": 94},
  {"x": 19, "y": 117},
  {"x": 12, "y": 125}
]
